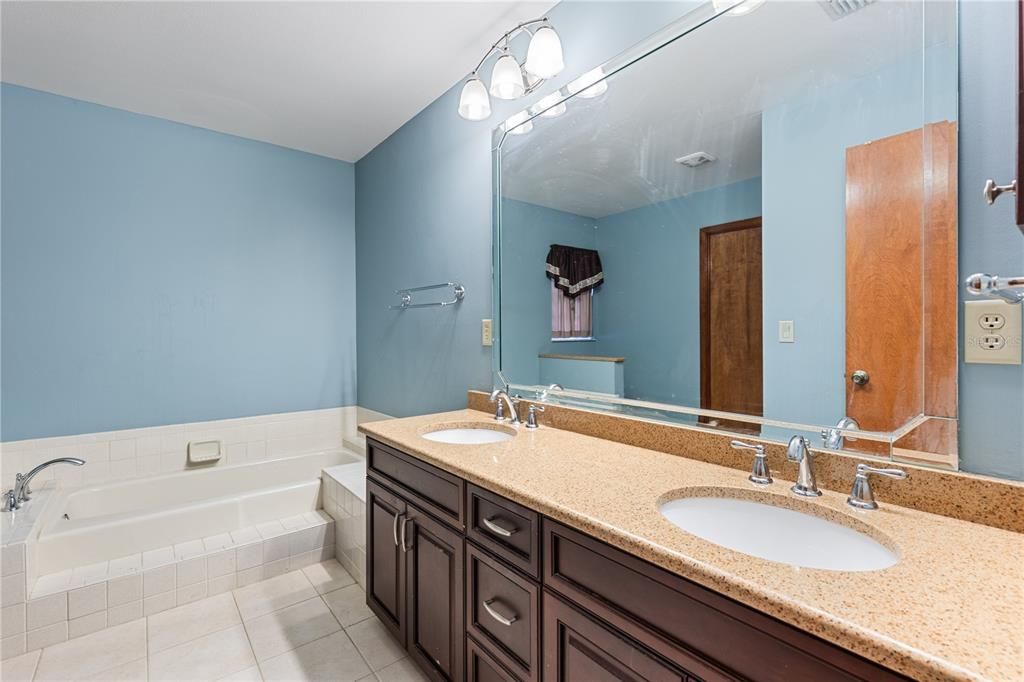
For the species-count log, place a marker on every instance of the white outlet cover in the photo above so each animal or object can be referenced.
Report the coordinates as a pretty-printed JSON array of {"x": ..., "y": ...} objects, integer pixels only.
[{"x": 992, "y": 332}]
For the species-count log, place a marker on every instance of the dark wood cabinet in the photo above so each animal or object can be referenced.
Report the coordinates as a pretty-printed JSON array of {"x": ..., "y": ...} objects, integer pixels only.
[
  {"x": 479, "y": 588},
  {"x": 385, "y": 569},
  {"x": 434, "y": 609}
]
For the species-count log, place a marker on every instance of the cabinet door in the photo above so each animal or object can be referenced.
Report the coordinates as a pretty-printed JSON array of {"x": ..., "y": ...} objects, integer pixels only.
[
  {"x": 435, "y": 621},
  {"x": 580, "y": 648},
  {"x": 385, "y": 570}
]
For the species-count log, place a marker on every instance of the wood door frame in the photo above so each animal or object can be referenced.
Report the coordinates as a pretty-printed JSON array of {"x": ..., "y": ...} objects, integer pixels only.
[{"x": 705, "y": 293}]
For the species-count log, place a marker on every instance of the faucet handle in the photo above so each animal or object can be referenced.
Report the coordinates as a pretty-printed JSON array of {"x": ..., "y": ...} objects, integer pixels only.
[
  {"x": 531, "y": 416},
  {"x": 10, "y": 502},
  {"x": 761, "y": 474},
  {"x": 499, "y": 411},
  {"x": 861, "y": 496}
]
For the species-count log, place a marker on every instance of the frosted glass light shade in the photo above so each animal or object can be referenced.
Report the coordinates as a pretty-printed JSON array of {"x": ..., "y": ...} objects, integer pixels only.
[
  {"x": 474, "y": 103},
  {"x": 589, "y": 84},
  {"x": 544, "y": 56},
  {"x": 507, "y": 78},
  {"x": 517, "y": 124},
  {"x": 550, "y": 106}
]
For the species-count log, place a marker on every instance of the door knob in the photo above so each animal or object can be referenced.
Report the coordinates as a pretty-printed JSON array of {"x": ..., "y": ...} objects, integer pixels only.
[
  {"x": 992, "y": 190},
  {"x": 860, "y": 377}
]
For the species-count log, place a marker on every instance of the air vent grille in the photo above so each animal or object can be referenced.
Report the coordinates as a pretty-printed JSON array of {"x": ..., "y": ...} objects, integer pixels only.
[
  {"x": 695, "y": 159},
  {"x": 840, "y": 9}
]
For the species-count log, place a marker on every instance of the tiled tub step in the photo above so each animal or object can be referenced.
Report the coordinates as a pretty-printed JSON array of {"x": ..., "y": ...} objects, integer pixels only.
[{"x": 76, "y": 602}]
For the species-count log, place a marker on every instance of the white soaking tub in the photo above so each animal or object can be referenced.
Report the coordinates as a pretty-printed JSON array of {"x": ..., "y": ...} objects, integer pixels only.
[{"x": 99, "y": 523}]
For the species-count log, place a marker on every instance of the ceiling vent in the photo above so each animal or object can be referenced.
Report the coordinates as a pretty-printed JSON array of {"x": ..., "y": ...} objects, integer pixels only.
[
  {"x": 695, "y": 159},
  {"x": 840, "y": 9}
]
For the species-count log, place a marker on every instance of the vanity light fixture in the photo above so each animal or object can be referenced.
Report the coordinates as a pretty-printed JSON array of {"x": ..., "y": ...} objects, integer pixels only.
[
  {"x": 509, "y": 78},
  {"x": 549, "y": 106},
  {"x": 735, "y": 10},
  {"x": 589, "y": 85}
]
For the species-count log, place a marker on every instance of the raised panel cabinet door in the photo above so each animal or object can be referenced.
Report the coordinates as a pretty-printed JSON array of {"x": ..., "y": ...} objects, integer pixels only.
[
  {"x": 580, "y": 648},
  {"x": 435, "y": 621},
  {"x": 385, "y": 570}
]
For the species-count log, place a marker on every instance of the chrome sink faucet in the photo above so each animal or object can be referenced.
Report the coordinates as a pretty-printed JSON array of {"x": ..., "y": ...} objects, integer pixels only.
[
  {"x": 798, "y": 451},
  {"x": 503, "y": 399},
  {"x": 21, "y": 493}
]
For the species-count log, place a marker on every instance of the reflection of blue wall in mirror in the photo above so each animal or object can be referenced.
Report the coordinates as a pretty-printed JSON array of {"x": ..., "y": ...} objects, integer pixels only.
[
  {"x": 527, "y": 232},
  {"x": 649, "y": 309},
  {"x": 597, "y": 376},
  {"x": 804, "y": 142}
]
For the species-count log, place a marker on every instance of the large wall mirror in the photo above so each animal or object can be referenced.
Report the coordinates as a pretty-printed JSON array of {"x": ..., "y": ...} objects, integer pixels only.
[{"x": 764, "y": 246}]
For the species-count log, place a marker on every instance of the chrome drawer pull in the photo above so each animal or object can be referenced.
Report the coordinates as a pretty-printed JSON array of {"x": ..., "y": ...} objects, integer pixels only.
[
  {"x": 394, "y": 528},
  {"x": 504, "y": 620},
  {"x": 493, "y": 526}
]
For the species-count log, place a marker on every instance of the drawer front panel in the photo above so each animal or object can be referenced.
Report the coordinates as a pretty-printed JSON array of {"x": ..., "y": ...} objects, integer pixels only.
[
  {"x": 507, "y": 529},
  {"x": 481, "y": 666},
  {"x": 503, "y": 611},
  {"x": 652, "y": 605},
  {"x": 437, "y": 491}
]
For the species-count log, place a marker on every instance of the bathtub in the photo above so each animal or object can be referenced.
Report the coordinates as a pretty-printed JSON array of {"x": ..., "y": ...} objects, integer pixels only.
[{"x": 99, "y": 523}]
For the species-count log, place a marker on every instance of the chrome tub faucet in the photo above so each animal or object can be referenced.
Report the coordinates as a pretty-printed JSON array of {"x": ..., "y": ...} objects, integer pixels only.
[{"x": 21, "y": 493}]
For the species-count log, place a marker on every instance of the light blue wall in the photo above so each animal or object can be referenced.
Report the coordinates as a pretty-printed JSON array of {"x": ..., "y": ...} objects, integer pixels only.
[
  {"x": 991, "y": 396},
  {"x": 804, "y": 142},
  {"x": 156, "y": 273},
  {"x": 423, "y": 210},
  {"x": 528, "y": 231},
  {"x": 649, "y": 304}
]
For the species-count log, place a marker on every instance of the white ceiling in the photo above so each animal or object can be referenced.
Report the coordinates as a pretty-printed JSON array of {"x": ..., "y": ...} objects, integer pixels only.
[
  {"x": 331, "y": 78},
  {"x": 704, "y": 92}
]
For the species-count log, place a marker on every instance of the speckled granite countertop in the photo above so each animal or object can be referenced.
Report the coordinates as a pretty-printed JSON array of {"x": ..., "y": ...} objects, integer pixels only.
[{"x": 951, "y": 609}]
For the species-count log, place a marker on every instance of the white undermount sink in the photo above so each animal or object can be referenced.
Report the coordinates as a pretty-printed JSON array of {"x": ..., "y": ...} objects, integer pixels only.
[
  {"x": 468, "y": 436},
  {"x": 778, "y": 534}
]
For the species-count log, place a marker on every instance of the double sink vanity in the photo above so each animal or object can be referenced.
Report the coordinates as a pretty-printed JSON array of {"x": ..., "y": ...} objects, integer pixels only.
[{"x": 500, "y": 552}]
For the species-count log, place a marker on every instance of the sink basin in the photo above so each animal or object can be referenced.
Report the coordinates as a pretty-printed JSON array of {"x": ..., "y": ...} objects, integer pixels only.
[
  {"x": 778, "y": 534},
  {"x": 463, "y": 435}
]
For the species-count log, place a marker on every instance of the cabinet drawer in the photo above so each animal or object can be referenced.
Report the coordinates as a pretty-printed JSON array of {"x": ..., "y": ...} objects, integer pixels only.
[
  {"x": 436, "y": 491},
  {"x": 683, "y": 621},
  {"x": 502, "y": 611},
  {"x": 509, "y": 530},
  {"x": 481, "y": 666},
  {"x": 578, "y": 646}
]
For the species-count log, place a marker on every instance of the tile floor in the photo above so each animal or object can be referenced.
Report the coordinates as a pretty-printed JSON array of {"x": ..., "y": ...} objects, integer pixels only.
[{"x": 311, "y": 624}]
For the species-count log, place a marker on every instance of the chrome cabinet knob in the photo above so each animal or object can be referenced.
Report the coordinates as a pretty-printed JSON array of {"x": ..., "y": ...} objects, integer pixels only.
[{"x": 860, "y": 377}]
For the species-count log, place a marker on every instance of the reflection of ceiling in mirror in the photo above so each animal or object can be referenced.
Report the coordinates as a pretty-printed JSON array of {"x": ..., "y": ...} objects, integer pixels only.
[{"x": 617, "y": 152}]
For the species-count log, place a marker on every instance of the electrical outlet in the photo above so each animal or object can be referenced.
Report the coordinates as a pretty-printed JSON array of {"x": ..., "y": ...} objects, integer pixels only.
[
  {"x": 992, "y": 332},
  {"x": 486, "y": 333}
]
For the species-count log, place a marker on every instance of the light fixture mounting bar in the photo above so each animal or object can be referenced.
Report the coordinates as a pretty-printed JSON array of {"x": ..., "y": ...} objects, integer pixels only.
[{"x": 508, "y": 35}]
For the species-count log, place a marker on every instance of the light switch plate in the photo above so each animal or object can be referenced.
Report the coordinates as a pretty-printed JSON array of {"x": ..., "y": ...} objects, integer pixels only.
[
  {"x": 787, "y": 331},
  {"x": 486, "y": 333},
  {"x": 992, "y": 332}
]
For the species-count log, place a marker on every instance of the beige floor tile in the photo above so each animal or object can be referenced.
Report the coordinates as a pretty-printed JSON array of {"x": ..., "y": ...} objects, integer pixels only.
[
  {"x": 333, "y": 659},
  {"x": 192, "y": 621},
  {"x": 133, "y": 671},
  {"x": 271, "y": 595},
  {"x": 93, "y": 653},
  {"x": 348, "y": 605},
  {"x": 248, "y": 675},
  {"x": 290, "y": 628},
  {"x": 207, "y": 658},
  {"x": 20, "y": 668},
  {"x": 327, "y": 576},
  {"x": 402, "y": 671},
  {"x": 375, "y": 643}
]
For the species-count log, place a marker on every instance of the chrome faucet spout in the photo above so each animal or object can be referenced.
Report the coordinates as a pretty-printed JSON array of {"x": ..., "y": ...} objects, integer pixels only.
[
  {"x": 503, "y": 398},
  {"x": 22, "y": 492},
  {"x": 799, "y": 451}
]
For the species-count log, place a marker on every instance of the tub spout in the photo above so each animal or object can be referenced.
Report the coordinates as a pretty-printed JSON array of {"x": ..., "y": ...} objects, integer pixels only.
[{"x": 21, "y": 492}]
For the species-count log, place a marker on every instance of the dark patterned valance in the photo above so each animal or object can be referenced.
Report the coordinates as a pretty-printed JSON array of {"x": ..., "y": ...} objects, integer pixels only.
[{"x": 573, "y": 269}]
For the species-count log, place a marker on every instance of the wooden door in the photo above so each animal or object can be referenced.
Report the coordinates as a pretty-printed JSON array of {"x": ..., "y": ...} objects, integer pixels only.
[
  {"x": 731, "y": 360},
  {"x": 385, "y": 569},
  {"x": 901, "y": 228},
  {"x": 435, "y": 620}
]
